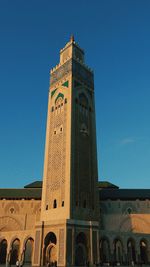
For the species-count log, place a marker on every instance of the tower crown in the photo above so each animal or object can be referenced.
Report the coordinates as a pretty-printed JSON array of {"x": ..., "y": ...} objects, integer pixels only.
[{"x": 71, "y": 50}]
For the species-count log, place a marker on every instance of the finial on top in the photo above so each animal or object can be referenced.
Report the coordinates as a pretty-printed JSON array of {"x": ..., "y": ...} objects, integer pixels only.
[{"x": 72, "y": 38}]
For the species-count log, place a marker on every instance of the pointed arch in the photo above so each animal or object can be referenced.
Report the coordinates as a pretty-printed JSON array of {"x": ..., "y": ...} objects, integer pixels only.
[
  {"x": 81, "y": 252},
  {"x": 118, "y": 251},
  {"x": 131, "y": 251},
  {"x": 50, "y": 249},
  {"x": 144, "y": 251},
  {"x": 15, "y": 251},
  {"x": 3, "y": 251},
  {"x": 28, "y": 251},
  {"x": 104, "y": 250},
  {"x": 83, "y": 100},
  {"x": 59, "y": 96}
]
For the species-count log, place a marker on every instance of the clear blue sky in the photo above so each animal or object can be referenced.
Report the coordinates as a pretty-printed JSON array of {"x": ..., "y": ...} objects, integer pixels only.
[{"x": 115, "y": 35}]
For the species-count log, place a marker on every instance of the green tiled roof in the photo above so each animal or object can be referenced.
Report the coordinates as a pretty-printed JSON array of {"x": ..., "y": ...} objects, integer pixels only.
[
  {"x": 36, "y": 184},
  {"x": 105, "y": 184},
  {"x": 25, "y": 193},
  {"x": 106, "y": 191},
  {"x": 124, "y": 194}
]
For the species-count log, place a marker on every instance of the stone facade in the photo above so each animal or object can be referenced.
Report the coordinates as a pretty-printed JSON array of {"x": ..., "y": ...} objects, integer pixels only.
[
  {"x": 123, "y": 236},
  {"x": 124, "y": 225},
  {"x": 17, "y": 228},
  {"x": 70, "y": 220}
]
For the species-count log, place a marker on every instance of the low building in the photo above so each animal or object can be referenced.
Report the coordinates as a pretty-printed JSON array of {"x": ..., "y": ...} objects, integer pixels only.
[{"x": 124, "y": 223}]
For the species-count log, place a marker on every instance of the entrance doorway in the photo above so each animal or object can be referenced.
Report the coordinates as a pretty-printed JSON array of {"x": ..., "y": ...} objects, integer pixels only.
[
  {"x": 81, "y": 257},
  {"x": 50, "y": 249}
]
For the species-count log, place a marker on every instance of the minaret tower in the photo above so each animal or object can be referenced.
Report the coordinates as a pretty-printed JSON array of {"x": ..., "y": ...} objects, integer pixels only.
[{"x": 69, "y": 212}]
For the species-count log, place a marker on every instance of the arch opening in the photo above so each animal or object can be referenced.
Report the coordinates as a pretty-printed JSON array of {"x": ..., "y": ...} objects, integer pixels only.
[
  {"x": 81, "y": 256},
  {"x": 131, "y": 252},
  {"x": 3, "y": 251},
  {"x": 15, "y": 251},
  {"x": 50, "y": 249},
  {"x": 28, "y": 251},
  {"x": 118, "y": 251},
  {"x": 143, "y": 252},
  {"x": 104, "y": 251}
]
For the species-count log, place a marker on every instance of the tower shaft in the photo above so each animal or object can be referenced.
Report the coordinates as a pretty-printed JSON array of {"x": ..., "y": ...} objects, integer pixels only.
[{"x": 69, "y": 214}]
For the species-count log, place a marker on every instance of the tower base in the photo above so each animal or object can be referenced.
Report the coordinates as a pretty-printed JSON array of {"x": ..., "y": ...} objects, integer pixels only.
[{"x": 66, "y": 243}]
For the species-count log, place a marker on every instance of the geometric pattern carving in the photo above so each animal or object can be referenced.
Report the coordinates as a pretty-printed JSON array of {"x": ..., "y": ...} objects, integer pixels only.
[
  {"x": 83, "y": 74},
  {"x": 61, "y": 246},
  {"x": 36, "y": 247},
  {"x": 57, "y": 154},
  {"x": 61, "y": 72},
  {"x": 9, "y": 224},
  {"x": 83, "y": 154},
  {"x": 37, "y": 208}
]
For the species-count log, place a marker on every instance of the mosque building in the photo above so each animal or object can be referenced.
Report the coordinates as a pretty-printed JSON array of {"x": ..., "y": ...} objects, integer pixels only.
[{"x": 71, "y": 219}]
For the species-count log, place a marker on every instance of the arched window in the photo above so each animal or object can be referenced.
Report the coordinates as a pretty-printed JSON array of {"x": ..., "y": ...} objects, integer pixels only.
[
  {"x": 84, "y": 129},
  {"x": 104, "y": 251},
  {"x": 83, "y": 100},
  {"x": 131, "y": 251},
  {"x": 118, "y": 251},
  {"x": 12, "y": 210},
  {"x": 143, "y": 252},
  {"x": 129, "y": 210},
  {"x": 55, "y": 204}
]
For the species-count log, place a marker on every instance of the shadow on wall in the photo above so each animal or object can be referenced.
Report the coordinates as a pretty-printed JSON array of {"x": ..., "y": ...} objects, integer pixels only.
[
  {"x": 14, "y": 253},
  {"x": 131, "y": 244}
]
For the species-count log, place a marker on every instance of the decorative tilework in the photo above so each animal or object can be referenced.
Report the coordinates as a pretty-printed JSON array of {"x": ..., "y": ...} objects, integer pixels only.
[
  {"x": 53, "y": 92},
  {"x": 66, "y": 84},
  {"x": 59, "y": 95}
]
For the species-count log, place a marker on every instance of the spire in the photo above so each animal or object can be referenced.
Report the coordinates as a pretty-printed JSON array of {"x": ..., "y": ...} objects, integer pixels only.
[{"x": 72, "y": 38}]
